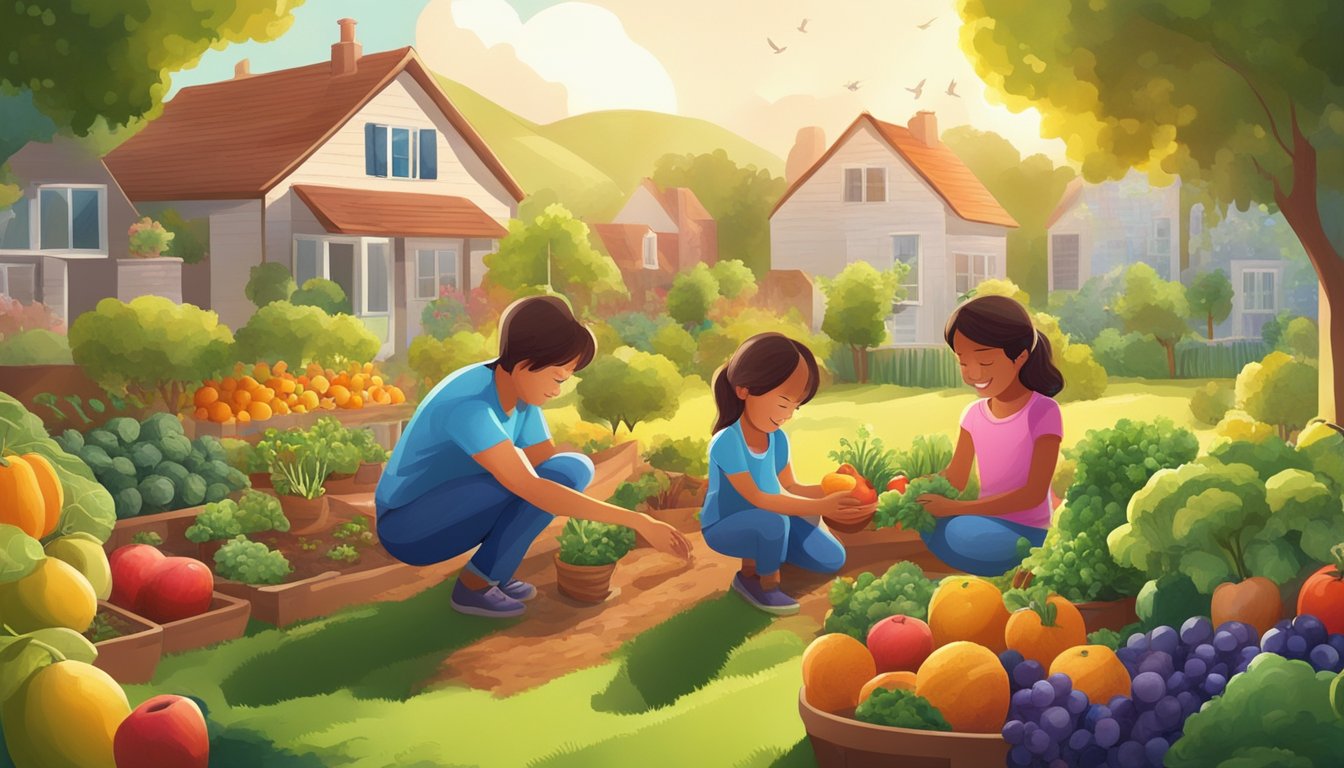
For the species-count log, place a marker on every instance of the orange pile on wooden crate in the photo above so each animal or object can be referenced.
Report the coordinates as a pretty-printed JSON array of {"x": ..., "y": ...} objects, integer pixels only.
[{"x": 273, "y": 390}]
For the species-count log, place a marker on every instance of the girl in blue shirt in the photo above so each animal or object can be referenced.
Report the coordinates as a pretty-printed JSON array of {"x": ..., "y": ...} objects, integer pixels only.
[{"x": 754, "y": 508}]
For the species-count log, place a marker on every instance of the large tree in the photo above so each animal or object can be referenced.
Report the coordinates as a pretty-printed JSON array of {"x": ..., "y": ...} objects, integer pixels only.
[
  {"x": 1155, "y": 307},
  {"x": 1027, "y": 188},
  {"x": 1210, "y": 296},
  {"x": 1240, "y": 98},
  {"x": 553, "y": 250},
  {"x": 858, "y": 302}
]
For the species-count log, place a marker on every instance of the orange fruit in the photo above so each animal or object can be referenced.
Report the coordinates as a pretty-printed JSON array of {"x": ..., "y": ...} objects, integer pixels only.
[
  {"x": 368, "y": 367},
  {"x": 248, "y": 383},
  {"x": 244, "y": 417},
  {"x": 205, "y": 396},
  {"x": 220, "y": 412},
  {"x": 279, "y": 368},
  {"x": 242, "y": 398},
  {"x": 1026, "y": 634},
  {"x": 355, "y": 401},
  {"x": 358, "y": 382},
  {"x": 261, "y": 371},
  {"x": 835, "y": 668},
  {"x": 202, "y": 414},
  {"x": 280, "y": 407},
  {"x": 228, "y": 384},
  {"x": 309, "y": 400},
  {"x": 286, "y": 386},
  {"x": 300, "y": 408},
  {"x": 259, "y": 411},
  {"x": 968, "y": 608},
  {"x": 339, "y": 394},
  {"x": 319, "y": 383},
  {"x": 966, "y": 682},
  {"x": 376, "y": 381},
  {"x": 1094, "y": 670},
  {"x": 892, "y": 681},
  {"x": 398, "y": 396},
  {"x": 835, "y": 483},
  {"x": 303, "y": 381},
  {"x": 263, "y": 395}
]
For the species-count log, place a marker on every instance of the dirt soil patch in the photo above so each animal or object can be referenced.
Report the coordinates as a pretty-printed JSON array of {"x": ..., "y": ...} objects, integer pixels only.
[{"x": 109, "y": 626}]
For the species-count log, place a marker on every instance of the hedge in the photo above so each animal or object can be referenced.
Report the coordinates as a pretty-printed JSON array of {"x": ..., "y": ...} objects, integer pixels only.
[
  {"x": 1201, "y": 360},
  {"x": 928, "y": 367}
]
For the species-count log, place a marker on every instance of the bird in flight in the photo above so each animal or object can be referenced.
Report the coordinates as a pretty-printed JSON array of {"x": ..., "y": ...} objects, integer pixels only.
[
  {"x": 852, "y": 85},
  {"x": 918, "y": 89},
  {"x": 952, "y": 89},
  {"x": 926, "y": 24},
  {"x": 803, "y": 27},
  {"x": 776, "y": 47}
]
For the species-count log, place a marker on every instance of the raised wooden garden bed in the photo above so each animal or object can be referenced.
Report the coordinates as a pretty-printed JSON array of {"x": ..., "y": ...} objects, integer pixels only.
[
  {"x": 170, "y": 526},
  {"x": 842, "y": 742},
  {"x": 890, "y": 545},
  {"x": 226, "y": 620},
  {"x": 132, "y": 651},
  {"x": 391, "y": 416},
  {"x": 325, "y": 592}
]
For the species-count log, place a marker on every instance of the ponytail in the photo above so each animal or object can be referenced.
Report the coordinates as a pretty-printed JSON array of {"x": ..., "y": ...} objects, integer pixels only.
[
  {"x": 730, "y": 406},
  {"x": 1039, "y": 373},
  {"x": 763, "y": 362}
]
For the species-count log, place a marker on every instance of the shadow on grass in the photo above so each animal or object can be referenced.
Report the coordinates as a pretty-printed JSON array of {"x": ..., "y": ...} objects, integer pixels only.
[
  {"x": 678, "y": 656},
  {"x": 383, "y": 652},
  {"x": 238, "y": 747}
]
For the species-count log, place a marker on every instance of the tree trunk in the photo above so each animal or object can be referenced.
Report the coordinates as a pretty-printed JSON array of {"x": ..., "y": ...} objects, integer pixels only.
[
  {"x": 1170, "y": 346},
  {"x": 1210, "y": 326},
  {"x": 857, "y": 354}
]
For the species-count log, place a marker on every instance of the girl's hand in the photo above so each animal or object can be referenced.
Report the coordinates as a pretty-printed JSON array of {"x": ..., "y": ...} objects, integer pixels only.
[
  {"x": 939, "y": 505},
  {"x": 844, "y": 508}
]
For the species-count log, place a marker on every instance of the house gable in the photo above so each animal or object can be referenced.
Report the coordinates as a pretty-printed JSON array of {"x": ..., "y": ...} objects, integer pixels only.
[{"x": 644, "y": 207}]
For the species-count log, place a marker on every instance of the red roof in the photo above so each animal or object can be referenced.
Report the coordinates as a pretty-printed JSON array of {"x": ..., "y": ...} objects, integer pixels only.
[
  {"x": 347, "y": 211},
  {"x": 1072, "y": 193},
  {"x": 676, "y": 200},
  {"x": 239, "y": 138},
  {"x": 937, "y": 164},
  {"x": 624, "y": 243}
]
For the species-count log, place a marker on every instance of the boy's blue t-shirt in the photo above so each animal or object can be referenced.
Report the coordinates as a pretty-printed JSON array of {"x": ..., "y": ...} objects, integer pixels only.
[
  {"x": 458, "y": 419},
  {"x": 729, "y": 455}
]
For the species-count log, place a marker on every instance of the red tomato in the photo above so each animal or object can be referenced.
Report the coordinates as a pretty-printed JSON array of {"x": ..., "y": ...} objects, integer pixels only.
[
  {"x": 898, "y": 484},
  {"x": 1322, "y": 596}
]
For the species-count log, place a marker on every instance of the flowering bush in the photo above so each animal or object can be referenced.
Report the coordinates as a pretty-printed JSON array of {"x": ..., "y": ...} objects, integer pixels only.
[
  {"x": 446, "y": 314},
  {"x": 148, "y": 238},
  {"x": 16, "y": 317}
]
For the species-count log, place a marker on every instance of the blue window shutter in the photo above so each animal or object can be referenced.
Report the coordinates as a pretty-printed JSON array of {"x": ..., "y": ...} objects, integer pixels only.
[
  {"x": 375, "y": 149},
  {"x": 429, "y": 154}
]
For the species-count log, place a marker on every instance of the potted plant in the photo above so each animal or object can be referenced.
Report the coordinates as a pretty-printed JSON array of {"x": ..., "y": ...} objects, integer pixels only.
[
  {"x": 255, "y": 512},
  {"x": 298, "y": 474},
  {"x": 588, "y": 554},
  {"x": 372, "y": 457}
]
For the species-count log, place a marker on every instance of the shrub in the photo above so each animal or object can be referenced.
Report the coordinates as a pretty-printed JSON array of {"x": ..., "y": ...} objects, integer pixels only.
[
  {"x": 1280, "y": 391},
  {"x": 688, "y": 455},
  {"x": 1272, "y": 330},
  {"x": 251, "y": 562},
  {"x": 1130, "y": 354},
  {"x": 445, "y": 315},
  {"x": 1084, "y": 378},
  {"x": 433, "y": 359},
  {"x": 630, "y": 494},
  {"x": 267, "y": 282},
  {"x": 676, "y": 344},
  {"x": 148, "y": 238},
  {"x": 150, "y": 346},
  {"x": 588, "y": 542},
  {"x": 324, "y": 294},
  {"x": 299, "y": 335},
  {"x": 1211, "y": 402},
  {"x": 586, "y": 436},
  {"x": 997, "y": 287},
  {"x": 636, "y": 329},
  {"x": 691, "y": 295},
  {"x": 255, "y": 512},
  {"x": 718, "y": 342},
  {"x": 1085, "y": 313},
  {"x": 629, "y": 386},
  {"x": 735, "y": 280},
  {"x": 16, "y": 317},
  {"x": 1301, "y": 338},
  {"x": 35, "y": 347},
  {"x": 1240, "y": 425}
]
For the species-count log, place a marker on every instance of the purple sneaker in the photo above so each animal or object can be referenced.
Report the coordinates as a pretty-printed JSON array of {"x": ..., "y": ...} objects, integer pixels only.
[
  {"x": 491, "y": 603},
  {"x": 769, "y": 600},
  {"x": 518, "y": 590}
]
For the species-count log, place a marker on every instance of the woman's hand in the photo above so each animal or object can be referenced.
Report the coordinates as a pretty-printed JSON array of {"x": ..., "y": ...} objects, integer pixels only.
[
  {"x": 939, "y": 505},
  {"x": 663, "y": 537},
  {"x": 844, "y": 508}
]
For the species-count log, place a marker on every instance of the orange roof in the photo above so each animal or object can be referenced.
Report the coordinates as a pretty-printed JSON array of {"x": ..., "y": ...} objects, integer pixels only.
[
  {"x": 1070, "y": 198},
  {"x": 624, "y": 243},
  {"x": 239, "y": 138},
  {"x": 938, "y": 165},
  {"x": 347, "y": 211}
]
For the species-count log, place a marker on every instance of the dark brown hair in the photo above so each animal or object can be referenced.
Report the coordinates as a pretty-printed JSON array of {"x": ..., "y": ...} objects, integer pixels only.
[
  {"x": 762, "y": 363},
  {"x": 543, "y": 331},
  {"x": 1002, "y": 323}
]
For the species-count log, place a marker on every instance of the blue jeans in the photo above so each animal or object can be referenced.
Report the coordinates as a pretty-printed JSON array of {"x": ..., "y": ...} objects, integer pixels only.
[
  {"x": 466, "y": 512},
  {"x": 979, "y": 545},
  {"x": 771, "y": 539}
]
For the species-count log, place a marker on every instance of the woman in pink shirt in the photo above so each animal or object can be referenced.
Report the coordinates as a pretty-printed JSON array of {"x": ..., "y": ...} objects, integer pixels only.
[{"x": 1012, "y": 434}]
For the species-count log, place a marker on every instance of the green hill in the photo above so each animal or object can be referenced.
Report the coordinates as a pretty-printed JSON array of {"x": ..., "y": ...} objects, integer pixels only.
[{"x": 592, "y": 162}]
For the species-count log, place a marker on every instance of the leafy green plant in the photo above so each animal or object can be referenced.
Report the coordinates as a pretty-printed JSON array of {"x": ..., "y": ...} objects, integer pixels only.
[
  {"x": 432, "y": 359},
  {"x": 1211, "y": 402},
  {"x": 255, "y": 512},
  {"x": 688, "y": 455},
  {"x": 1279, "y": 390},
  {"x": 1112, "y": 464},
  {"x": 343, "y": 553},
  {"x": 588, "y": 542},
  {"x": 355, "y": 531},
  {"x": 870, "y": 458},
  {"x": 308, "y": 545},
  {"x": 369, "y": 450},
  {"x": 35, "y": 347},
  {"x": 267, "y": 282},
  {"x": 901, "y": 709},
  {"x": 859, "y": 603},
  {"x": 151, "y": 538},
  {"x": 1112, "y": 638},
  {"x": 904, "y": 508},
  {"x": 631, "y": 494},
  {"x": 326, "y": 295},
  {"x": 299, "y": 334},
  {"x": 251, "y": 562},
  {"x": 299, "y": 471}
]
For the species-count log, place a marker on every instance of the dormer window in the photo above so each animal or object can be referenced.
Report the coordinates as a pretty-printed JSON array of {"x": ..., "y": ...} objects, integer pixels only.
[
  {"x": 399, "y": 152},
  {"x": 650, "y": 250}
]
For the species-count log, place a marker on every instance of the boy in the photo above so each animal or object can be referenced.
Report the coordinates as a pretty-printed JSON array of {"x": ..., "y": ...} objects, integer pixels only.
[{"x": 476, "y": 465}]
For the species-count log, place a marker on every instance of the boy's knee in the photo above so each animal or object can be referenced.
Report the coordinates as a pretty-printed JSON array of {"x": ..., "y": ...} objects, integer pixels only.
[
  {"x": 832, "y": 559},
  {"x": 774, "y": 529},
  {"x": 572, "y": 470}
]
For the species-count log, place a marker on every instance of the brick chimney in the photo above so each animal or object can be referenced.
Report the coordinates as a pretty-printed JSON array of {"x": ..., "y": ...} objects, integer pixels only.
[
  {"x": 345, "y": 54},
  {"x": 242, "y": 70},
  {"x": 924, "y": 126}
]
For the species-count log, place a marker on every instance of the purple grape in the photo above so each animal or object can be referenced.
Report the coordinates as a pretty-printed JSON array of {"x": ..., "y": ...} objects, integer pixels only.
[
  {"x": 1094, "y": 713},
  {"x": 1027, "y": 673},
  {"x": 1128, "y": 656},
  {"x": 1010, "y": 659},
  {"x": 1296, "y": 647},
  {"x": 1224, "y": 641},
  {"x": 1311, "y": 628},
  {"x": 1013, "y": 731},
  {"x": 1176, "y": 682},
  {"x": 1145, "y": 727},
  {"x": 1164, "y": 639},
  {"x": 1214, "y": 684},
  {"x": 1037, "y": 742},
  {"x": 1324, "y": 658},
  {"x": 1051, "y": 753},
  {"x": 1206, "y": 652},
  {"x": 1077, "y": 703},
  {"x": 1123, "y": 710},
  {"x": 1242, "y": 632},
  {"x": 1056, "y": 722},
  {"x": 1196, "y": 630},
  {"x": 1168, "y": 711},
  {"x": 1130, "y": 754},
  {"x": 1219, "y": 669},
  {"x": 1092, "y": 756},
  {"x": 1062, "y": 684},
  {"x": 1195, "y": 668},
  {"x": 1107, "y": 732},
  {"x": 1274, "y": 640},
  {"x": 1249, "y": 653},
  {"x": 1080, "y": 740},
  {"x": 1020, "y": 757},
  {"x": 1042, "y": 694},
  {"x": 1157, "y": 661},
  {"x": 1189, "y": 702},
  {"x": 1283, "y": 623},
  {"x": 1058, "y": 763},
  {"x": 1155, "y": 750},
  {"x": 1148, "y": 687},
  {"x": 1021, "y": 699},
  {"x": 1337, "y": 642},
  {"x": 1138, "y": 641}
]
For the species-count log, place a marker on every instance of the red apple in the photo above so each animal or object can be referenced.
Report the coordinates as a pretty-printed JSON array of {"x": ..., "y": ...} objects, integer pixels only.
[
  {"x": 132, "y": 566},
  {"x": 898, "y": 484},
  {"x": 900, "y": 643},
  {"x": 178, "y": 589},
  {"x": 165, "y": 732}
]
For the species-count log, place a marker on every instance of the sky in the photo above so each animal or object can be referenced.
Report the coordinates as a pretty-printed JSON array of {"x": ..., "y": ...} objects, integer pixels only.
[{"x": 711, "y": 59}]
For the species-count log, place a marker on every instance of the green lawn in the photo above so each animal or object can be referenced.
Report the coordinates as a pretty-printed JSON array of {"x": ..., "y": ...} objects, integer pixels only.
[{"x": 898, "y": 414}]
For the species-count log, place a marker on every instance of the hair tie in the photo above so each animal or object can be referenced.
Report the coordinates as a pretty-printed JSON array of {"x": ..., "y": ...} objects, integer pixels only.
[{"x": 1035, "y": 337}]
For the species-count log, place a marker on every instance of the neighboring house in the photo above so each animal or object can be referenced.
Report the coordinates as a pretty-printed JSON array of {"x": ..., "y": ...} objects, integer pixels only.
[
  {"x": 60, "y": 242},
  {"x": 656, "y": 235},
  {"x": 357, "y": 169},
  {"x": 885, "y": 193},
  {"x": 1097, "y": 228}
]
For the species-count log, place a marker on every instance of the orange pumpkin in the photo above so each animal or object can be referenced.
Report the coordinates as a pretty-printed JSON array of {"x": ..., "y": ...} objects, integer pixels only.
[
  {"x": 22, "y": 501},
  {"x": 1094, "y": 670},
  {"x": 835, "y": 669},
  {"x": 1044, "y": 629},
  {"x": 968, "y": 608},
  {"x": 53, "y": 495},
  {"x": 1255, "y": 601},
  {"x": 966, "y": 683}
]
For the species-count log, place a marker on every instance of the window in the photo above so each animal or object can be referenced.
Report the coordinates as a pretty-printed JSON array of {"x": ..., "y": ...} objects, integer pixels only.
[
  {"x": 905, "y": 249},
  {"x": 866, "y": 185},
  {"x": 1258, "y": 299},
  {"x": 400, "y": 152},
  {"x": 436, "y": 271},
  {"x": 650, "y": 250},
  {"x": 306, "y": 263},
  {"x": 376, "y": 283},
  {"x": 1161, "y": 242},
  {"x": 902, "y": 324},
  {"x": 972, "y": 269},
  {"x": 19, "y": 282},
  {"x": 1064, "y": 262},
  {"x": 14, "y": 226},
  {"x": 70, "y": 218},
  {"x": 361, "y": 267}
]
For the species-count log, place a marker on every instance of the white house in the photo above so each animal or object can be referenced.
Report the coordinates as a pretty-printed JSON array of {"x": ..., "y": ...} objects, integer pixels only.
[
  {"x": 357, "y": 169},
  {"x": 1097, "y": 228},
  {"x": 884, "y": 193}
]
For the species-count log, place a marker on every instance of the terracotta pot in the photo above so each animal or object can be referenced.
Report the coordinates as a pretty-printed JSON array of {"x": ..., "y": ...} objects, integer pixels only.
[
  {"x": 854, "y": 527},
  {"x": 585, "y": 583},
  {"x": 1108, "y": 614},
  {"x": 261, "y": 480},
  {"x": 306, "y": 515},
  {"x": 368, "y": 474},
  {"x": 841, "y": 742},
  {"x": 340, "y": 484}
]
